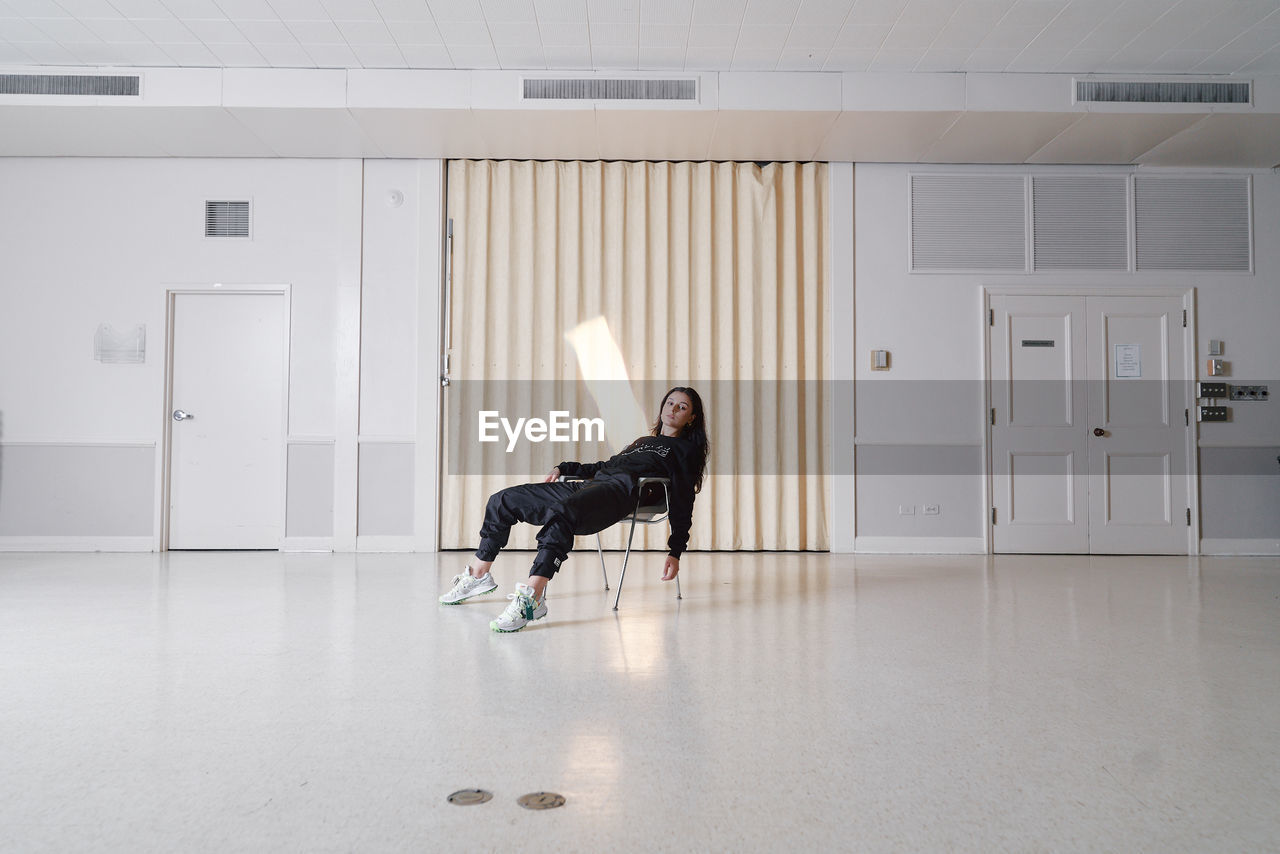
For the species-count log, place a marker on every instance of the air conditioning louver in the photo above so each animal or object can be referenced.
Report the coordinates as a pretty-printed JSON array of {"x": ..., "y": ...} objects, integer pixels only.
[
  {"x": 70, "y": 84},
  {"x": 602, "y": 89},
  {"x": 1163, "y": 92},
  {"x": 226, "y": 219}
]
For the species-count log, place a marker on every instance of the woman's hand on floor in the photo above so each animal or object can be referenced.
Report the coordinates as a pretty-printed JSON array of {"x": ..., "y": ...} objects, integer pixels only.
[
  {"x": 554, "y": 476},
  {"x": 670, "y": 569}
]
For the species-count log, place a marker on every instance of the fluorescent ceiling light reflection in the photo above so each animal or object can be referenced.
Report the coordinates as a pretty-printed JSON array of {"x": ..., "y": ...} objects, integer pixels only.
[{"x": 603, "y": 370}]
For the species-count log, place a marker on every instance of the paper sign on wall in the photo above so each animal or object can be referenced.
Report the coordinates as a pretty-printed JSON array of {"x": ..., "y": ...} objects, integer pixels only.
[{"x": 1128, "y": 360}]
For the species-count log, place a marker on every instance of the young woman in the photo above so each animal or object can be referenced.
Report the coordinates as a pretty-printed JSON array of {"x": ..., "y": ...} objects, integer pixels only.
[{"x": 677, "y": 450}]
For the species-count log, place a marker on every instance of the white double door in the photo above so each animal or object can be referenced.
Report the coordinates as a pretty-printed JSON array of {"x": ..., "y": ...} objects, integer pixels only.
[
  {"x": 227, "y": 420},
  {"x": 1090, "y": 412}
]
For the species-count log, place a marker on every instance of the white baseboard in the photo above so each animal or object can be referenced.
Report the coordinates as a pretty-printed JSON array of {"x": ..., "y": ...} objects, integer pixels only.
[
  {"x": 386, "y": 543},
  {"x": 919, "y": 545},
  {"x": 307, "y": 544},
  {"x": 1240, "y": 547},
  {"x": 77, "y": 544}
]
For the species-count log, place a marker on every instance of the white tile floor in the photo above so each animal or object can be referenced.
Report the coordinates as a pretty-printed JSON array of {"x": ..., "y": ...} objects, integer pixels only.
[{"x": 262, "y": 702}]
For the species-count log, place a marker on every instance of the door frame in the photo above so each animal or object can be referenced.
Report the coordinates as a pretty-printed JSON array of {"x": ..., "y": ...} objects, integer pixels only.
[
  {"x": 166, "y": 458},
  {"x": 1192, "y": 465}
]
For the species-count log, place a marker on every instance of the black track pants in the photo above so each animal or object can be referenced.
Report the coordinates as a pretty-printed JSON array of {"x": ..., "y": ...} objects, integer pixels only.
[{"x": 563, "y": 509}]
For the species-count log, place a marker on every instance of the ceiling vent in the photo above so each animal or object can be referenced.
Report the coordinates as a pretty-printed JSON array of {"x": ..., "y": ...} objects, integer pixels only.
[
  {"x": 1163, "y": 92},
  {"x": 226, "y": 219},
  {"x": 70, "y": 84},
  {"x": 604, "y": 89}
]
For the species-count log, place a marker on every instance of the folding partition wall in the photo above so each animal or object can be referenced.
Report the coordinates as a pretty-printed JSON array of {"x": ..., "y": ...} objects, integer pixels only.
[{"x": 584, "y": 290}]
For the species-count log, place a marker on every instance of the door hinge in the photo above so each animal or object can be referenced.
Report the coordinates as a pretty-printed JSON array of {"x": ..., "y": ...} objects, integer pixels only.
[
  {"x": 993, "y": 416},
  {"x": 991, "y": 317},
  {"x": 993, "y": 515},
  {"x": 1184, "y": 318},
  {"x": 1186, "y": 417},
  {"x": 1188, "y": 517}
]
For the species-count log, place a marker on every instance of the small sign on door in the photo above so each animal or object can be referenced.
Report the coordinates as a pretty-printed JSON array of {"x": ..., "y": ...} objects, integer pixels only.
[{"x": 1128, "y": 360}]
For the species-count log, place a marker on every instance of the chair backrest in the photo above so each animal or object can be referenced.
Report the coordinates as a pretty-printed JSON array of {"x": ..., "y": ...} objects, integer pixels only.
[{"x": 655, "y": 503}]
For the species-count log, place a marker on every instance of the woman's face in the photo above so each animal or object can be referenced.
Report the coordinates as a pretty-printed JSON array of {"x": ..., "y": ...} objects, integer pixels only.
[{"x": 677, "y": 412}]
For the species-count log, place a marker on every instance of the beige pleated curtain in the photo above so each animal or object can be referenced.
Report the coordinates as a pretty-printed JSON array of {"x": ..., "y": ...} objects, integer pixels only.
[{"x": 590, "y": 288}]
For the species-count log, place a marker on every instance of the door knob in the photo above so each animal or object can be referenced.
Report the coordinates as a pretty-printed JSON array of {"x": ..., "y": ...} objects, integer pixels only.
[
  {"x": 1097, "y": 431},
  {"x": 179, "y": 415}
]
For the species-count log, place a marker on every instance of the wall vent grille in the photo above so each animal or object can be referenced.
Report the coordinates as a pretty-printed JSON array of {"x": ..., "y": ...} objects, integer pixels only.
[
  {"x": 69, "y": 84},
  {"x": 226, "y": 219},
  {"x": 1193, "y": 224},
  {"x": 1163, "y": 92},
  {"x": 968, "y": 222},
  {"x": 602, "y": 89},
  {"x": 1080, "y": 223}
]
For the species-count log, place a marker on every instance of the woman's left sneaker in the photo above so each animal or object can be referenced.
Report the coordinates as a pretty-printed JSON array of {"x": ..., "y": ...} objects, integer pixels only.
[
  {"x": 521, "y": 610},
  {"x": 465, "y": 585}
]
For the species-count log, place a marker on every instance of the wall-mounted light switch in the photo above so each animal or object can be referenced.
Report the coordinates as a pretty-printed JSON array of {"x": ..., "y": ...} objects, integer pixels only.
[
  {"x": 879, "y": 360},
  {"x": 1216, "y": 368},
  {"x": 1215, "y": 347}
]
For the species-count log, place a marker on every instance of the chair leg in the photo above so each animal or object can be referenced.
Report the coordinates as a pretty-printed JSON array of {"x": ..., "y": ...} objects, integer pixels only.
[
  {"x": 600, "y": 549},
  {"x": 625, "y": 558},
  {"x": 678, "y": 594}
]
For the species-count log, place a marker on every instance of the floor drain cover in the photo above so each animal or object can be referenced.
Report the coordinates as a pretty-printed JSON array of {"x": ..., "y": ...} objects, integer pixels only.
[
  {"x": 467, "y": 797},
  {"x": 541, "y": 801}
]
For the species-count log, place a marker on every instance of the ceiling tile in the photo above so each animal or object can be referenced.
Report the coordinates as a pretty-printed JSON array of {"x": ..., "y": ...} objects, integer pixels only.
[
  {"x": 331, "y": 55},
  {"x": 25, "y": 31},
  {"x": 12, "y": 55},
  {"x": 48, "y": 53},
  {"x": 615, "y": 56},
  {"x": 100, "y": 53},
  {"x": 474, "y": 56},
  {"x": 657, "y": 35},
  {"x": 990, "y": 60},
  {"x": 379, "y": 56},
  {"x": 896, "y": 60},
  {"x": 194, "y": 9},
  {"x": 1008, "y": 37},
  {"x": 910, "y": 37},
  {"x": 167, "y": 31},
  {"x": 400, "y": 10},
  {"x": 316, "y": 32},
  {"x": 561, "y": 10},
  {"x": 508, "y": 10},
  {"x": 300, "y": 10},
  {"x": 67, "y": 31},
  {"x": 1225, "y": 62},
  {"x": 89, "y": 8},
  {"x": 661, "y": 58},
  {"x": 770, "y": 13},
  {"x": 567, "y": 55},
  {"x": 1262, "y": 38},
  {"x": 554, "y": 33},
  {"x": 1042, "y": 61},
  {"x": 960, "y": 35},
  {"x": 37, "y": 9},
  {"x": 709, "y": 36},
  {"x": 822, "y": 13},
  {"x": 426, "y": 55},
  {"x": 802, "y": 59},
  {"x": 521, "y": 56},
  {"x": 1084, "y": 61},
  {"x": 848, "y": 59},
  {"x": 216, "y": 32},
  {"x": 1177, "y": 61},
  {"x": 238, "y": 55},
  {"x": 141, "y": 8},
  {"x": 718, "y": 12},
  {"x": 456, "y": 10},
  {"x": 465, "y": 32},
  {"x": 1267, "y": 63},
  {"x": 115, "y": 32},
  {"x": 666, "y": 11},
  {"x": 1034, "y": 13},
  {"x": 272, "y": 32},
  {"x": 811, "y": 37},
  {"x": 369, "y": 33},
  {"x": 415, "y": 32},
  {"x": 514, "y": 34},
  {"x": 253, "y": 10},
  {"x": 857, "y": 37},
  {"x": 613, "y": 33},
  {"x": 189, "y": 54},
  {"x": 754, "y": 59},
  {"x": 710, "y": 58},
  {"x": 286, "y": 55},
  {"x": 942, "y": 60},
  {"x": 611, "y": 11},
  {"x": 876, "y": 12},
  {"x": 762, "y": 38},
  {"x": 351, "y": 10}
]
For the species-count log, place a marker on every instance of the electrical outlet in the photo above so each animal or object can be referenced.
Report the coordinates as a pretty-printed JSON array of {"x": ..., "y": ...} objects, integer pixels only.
[
  {"x": 932, "y": 509},
  {"x": 906, "y": 510}
]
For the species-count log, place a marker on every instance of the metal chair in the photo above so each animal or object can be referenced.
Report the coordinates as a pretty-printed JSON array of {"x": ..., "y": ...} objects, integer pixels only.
[{"x": 652, "y": 507}]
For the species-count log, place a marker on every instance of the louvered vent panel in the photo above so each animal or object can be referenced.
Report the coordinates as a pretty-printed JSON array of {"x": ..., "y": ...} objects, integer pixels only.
[
  {"x": 226, "y": 219},
  {"x": 69, "y": 84},
  {"x": 1080, "y": 223},
  {"x": 1168, "y": 92},
  {"x": 968, "y": 222},
  {"x": 599, "y": 89},
  {"x": 1192, "y": 223}
]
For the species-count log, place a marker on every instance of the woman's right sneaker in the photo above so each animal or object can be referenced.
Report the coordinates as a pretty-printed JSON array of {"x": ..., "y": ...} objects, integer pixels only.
[
  {"x": 521, "y": 610},
  {"x": 467, "y": 585}
]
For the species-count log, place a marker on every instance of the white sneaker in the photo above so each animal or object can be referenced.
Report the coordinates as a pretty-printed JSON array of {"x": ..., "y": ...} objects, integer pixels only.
[
  {"x": 522, "y": 610},
  {"x": 466, "y": 585}
]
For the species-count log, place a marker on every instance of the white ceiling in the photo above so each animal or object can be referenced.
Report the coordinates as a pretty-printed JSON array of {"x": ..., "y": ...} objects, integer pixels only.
[{"x": 1066, "y": 36}]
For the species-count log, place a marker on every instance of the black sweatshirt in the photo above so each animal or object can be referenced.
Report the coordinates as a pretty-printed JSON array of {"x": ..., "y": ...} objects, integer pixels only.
[{"x": 652, "y": 456}]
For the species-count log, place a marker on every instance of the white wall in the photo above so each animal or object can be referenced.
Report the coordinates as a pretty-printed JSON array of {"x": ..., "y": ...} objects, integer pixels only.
[{"x": 933, "y": 326}]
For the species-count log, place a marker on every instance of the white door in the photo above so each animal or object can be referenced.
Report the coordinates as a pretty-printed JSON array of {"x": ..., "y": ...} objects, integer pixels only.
[
  {"x": 226, "y": 478},
  {"x": 1088, "y": 431},
  {"x": 1139, "y": 416}
]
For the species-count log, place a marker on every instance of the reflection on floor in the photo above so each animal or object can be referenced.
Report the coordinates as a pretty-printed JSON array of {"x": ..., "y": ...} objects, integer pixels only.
[{"x": 262, "y": 702}]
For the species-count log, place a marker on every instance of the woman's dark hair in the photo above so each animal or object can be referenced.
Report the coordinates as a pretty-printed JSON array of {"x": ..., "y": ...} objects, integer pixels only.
[{"x": 695, "y": 431}]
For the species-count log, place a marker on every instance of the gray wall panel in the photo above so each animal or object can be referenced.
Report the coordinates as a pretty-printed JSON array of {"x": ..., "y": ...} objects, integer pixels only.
[{"x": 77, "y": 490}]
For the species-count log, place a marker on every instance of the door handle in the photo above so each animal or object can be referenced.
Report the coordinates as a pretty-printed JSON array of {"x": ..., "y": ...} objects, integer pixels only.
[
  {"x": 1098, "y": 431},
  {"x": 180, "y": 415}
]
